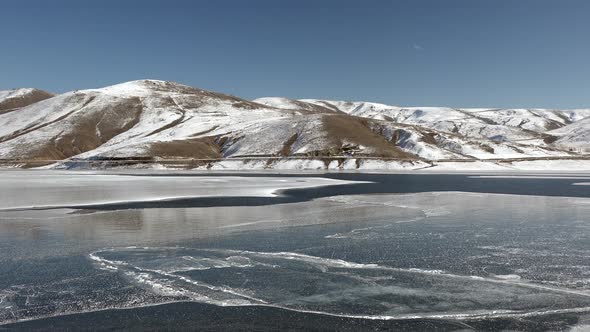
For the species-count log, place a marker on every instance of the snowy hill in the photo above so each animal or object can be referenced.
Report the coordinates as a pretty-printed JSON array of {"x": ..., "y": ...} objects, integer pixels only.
[
  {"x": 17, "y": 98},
  {"x": 511, "y": 124},
  {"x": 153, "y": 120},
  {"x": 575, "y": 136}
]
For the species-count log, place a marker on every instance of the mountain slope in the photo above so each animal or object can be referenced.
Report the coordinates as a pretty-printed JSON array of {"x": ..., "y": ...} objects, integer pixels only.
[
  {"x": 575, "y": 136},
  {"x": 162, "y": 119},
  {"x": 519, "y": 129},
  {"x": 480, "y": 123},
  {"x": 158, "y": 119},
  {"x": 11, "y": 100}
]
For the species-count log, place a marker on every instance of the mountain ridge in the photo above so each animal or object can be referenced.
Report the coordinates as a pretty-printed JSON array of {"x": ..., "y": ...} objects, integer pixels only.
[
  {"x": 16, "y": 98},
  {"x": 154, "y": 119}
]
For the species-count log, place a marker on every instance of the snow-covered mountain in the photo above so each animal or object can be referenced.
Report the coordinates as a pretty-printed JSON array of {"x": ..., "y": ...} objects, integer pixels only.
[
  {"x": 17, "y": 98},
  {"x": 574, "y": 136},
  {"x": 472, "y": 132},
  {"x": 156, "y": 119}
]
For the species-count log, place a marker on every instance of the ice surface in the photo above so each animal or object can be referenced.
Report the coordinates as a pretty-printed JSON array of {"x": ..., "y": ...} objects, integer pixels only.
[
  {"x": 21, "y": 189},
  {"x": 436, "y": 255}
]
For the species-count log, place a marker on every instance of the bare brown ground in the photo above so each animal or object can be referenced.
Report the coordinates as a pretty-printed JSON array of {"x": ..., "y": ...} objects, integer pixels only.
[
  {"x": 286, "y": 150},
  {"x": 197, "y": 148},
  {"x": 429, "y": 138},
  {"x": 343, "y": 129},
  {"x": 549, "y": 139}
]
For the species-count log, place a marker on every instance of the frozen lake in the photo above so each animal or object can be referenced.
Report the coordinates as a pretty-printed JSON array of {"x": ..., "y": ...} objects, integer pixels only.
[{"x": 268, "y": 251}]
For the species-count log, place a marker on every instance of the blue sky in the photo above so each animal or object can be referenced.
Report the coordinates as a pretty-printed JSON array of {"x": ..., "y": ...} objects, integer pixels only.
[{"x": 459, "y": 53}]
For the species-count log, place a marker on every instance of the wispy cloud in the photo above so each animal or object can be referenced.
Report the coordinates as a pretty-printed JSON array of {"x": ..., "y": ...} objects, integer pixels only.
[{"x": 418, "y": 47}]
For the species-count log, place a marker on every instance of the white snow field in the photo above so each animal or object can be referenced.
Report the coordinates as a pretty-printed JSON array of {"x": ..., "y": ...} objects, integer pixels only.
[{"x": 38, "y": 189}]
